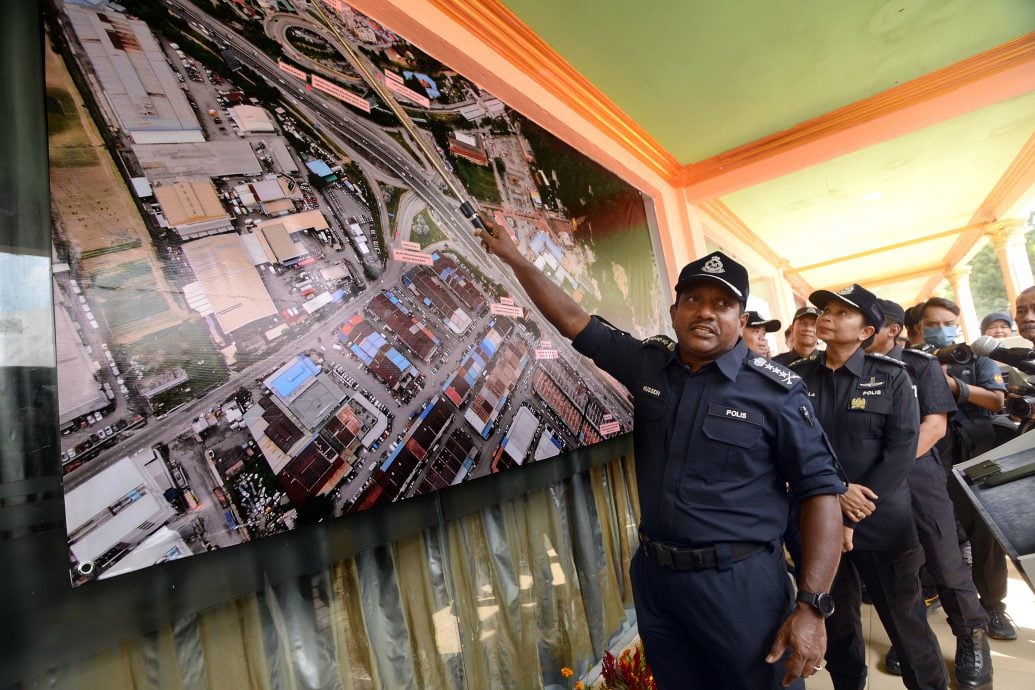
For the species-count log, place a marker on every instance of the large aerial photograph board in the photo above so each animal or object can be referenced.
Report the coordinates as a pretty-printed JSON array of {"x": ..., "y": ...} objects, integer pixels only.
[{"x": 270, "y": 309}]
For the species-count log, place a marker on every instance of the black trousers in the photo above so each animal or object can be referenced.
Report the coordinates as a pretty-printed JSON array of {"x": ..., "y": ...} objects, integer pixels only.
[
  {"x": 712, "y": 629},
  {"x": 989, "y": 567},
  {"x": 936, "y": 525},
  {"x": 893, "y": 583}
]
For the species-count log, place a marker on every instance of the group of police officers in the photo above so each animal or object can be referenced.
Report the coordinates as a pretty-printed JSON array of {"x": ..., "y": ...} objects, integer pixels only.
[{"x": 836, "y": 454}]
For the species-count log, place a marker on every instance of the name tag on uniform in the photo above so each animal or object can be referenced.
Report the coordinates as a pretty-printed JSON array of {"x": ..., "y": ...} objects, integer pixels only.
[
  {"x": 735, "y": 413},
  {"x": 650, "y": 390}
]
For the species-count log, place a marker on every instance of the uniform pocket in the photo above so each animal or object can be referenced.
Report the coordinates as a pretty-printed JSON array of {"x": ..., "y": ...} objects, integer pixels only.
[
  {"x": 648, "y": 407},
  {"x": 725, "y": 451},
  {"x": 867, "y": 414},
  {"x": 650, "y": 400},
  {"x": 906, "y": 568}
]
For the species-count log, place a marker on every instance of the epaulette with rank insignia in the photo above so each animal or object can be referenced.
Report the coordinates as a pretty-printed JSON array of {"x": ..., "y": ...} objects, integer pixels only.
[
  {"x": 807, "y": 358},
  {"x": 773, "y": 371},
  {"x": 918, "y": 353},
  {"x": 661, "y": 341},
  {"x": 885, "y": 358}
]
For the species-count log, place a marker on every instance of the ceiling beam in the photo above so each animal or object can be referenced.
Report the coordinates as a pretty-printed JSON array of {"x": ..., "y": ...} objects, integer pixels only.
[
  {"x": 1011, "y": 187},
  {"x": 738, "y": 229},
  {"x": 893, "y": 278},
  {"x": 888, "y": 248},
  {"x": 995, "y": 75}
]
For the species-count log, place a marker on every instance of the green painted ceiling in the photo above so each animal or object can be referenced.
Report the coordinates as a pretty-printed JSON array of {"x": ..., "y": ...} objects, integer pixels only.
[
  {"x": 916, "y": 185},
  {"x": 705, "y": 76}
]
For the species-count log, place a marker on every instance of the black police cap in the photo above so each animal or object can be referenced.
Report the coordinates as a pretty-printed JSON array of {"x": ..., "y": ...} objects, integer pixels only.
[
  {"x": 755, "y": 320},
  {"x": 805, "y": 311},
  {"x": 893, "y": 311},
  {"x": 716, "y": 267},
  {"x": 854, "y": 295}
]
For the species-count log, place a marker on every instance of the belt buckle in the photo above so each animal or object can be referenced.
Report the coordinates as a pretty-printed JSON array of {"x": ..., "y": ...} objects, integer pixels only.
[
  {"x": 664, "y": 552},
  {"x": 697, "y": 558}
]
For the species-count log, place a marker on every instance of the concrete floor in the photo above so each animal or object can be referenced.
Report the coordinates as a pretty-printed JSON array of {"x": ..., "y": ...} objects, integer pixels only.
[{"x": 1013, "y": 661}]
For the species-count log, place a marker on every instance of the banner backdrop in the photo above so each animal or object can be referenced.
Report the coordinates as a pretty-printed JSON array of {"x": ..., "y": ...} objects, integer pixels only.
[{"x": 269, "y": 309}]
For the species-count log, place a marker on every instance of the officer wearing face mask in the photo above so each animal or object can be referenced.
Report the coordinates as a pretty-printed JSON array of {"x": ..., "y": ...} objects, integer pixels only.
[
  {"x": 977, "y": 386},
  {"x": 980, "y": 392}
]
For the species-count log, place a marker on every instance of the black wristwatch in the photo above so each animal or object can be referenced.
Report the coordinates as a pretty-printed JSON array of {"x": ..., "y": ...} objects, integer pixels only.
[{"x": 822, "y": 602}]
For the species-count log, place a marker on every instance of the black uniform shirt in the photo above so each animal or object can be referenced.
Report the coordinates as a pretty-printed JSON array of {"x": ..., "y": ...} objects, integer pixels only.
[
  {"x": 715, "y": 449},
  {"x": 870, "y": 412},
  {"x": 932, "y": 390}
]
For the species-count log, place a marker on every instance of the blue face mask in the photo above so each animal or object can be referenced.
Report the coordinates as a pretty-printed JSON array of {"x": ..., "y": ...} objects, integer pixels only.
[{"x": 941, "y": 335}]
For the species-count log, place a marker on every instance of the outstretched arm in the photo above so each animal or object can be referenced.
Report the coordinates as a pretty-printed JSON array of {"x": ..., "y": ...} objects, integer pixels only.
[{"x": 554, "y": 303}]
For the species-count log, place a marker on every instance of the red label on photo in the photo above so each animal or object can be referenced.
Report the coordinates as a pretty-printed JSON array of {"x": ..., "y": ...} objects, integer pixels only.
[
  {"x": 411, "y": 257},
  {"x": 341, "y": 94},
  {"x": 293, "y": 71},
  {"x": 506, "y": 310}
]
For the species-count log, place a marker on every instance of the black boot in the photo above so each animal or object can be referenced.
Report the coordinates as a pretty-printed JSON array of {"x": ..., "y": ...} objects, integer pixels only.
[
  {"x": 973, "y": 659},
  {"x": 891, "y": 663}
]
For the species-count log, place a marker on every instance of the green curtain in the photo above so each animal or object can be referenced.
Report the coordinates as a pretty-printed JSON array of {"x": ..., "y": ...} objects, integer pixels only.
[{"x": 503, "y": 598}]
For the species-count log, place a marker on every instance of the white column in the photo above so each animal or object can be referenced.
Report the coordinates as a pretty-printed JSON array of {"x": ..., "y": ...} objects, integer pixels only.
[
  {"x": 960, "y": 280},
  {"x": 784, "y": 305},
  {"x": 1008, "y": 240}
]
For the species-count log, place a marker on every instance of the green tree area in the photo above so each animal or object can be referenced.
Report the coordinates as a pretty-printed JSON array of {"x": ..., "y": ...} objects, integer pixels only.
[
  {"x": 987, "y": 287},
  {"x": 425, "y": 231},
  {"x": 986, "y": 278},
  {"x": 586, "y": 188},
  {"x": 478, "y": 180}
]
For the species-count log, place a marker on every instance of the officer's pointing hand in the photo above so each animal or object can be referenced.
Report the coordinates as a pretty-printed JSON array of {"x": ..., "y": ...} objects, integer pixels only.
[{"x": 497, "y": 242}]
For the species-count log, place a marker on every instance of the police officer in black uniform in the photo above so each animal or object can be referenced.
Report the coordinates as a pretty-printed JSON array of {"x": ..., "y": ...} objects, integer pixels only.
[
  {"x": 755, "y": 331},
  {"x": 933, "y": 511},
  {"x": 720, "y": 433},
  {"x": 803, "y": 336},
  {"x": 867, "y": 406},
  {"x": 974, "y": 429}
]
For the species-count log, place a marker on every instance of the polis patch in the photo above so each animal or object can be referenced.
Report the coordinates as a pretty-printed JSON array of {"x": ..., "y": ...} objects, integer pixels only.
[{"x": 735, "y": 413}]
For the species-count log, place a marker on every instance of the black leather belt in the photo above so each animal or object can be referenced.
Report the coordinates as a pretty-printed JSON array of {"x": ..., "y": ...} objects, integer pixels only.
[{"x": 685, "y": 558}]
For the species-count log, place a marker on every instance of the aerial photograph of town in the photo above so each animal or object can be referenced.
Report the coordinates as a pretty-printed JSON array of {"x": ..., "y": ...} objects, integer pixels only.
[{"x": 269, "y": 306}]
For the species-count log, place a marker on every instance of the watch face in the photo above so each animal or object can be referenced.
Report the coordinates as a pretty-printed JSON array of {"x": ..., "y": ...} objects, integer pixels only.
[{"x": 825, "y": 604}]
